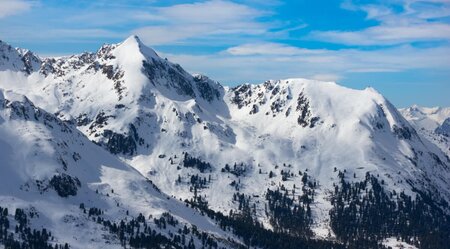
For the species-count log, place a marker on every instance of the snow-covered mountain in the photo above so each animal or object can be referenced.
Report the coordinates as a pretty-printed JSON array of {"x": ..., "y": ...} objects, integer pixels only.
[
  {"x": 77, "y": 191},
  {"x": 18, "y": 59},
  {"x": 432, "y": 123},
  {"x": 283, "y": 153}
]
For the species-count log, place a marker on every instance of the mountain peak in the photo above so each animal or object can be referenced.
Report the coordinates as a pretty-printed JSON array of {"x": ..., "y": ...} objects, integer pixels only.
[
  {"x": 16, "y": 59},
  {"x": 133, "y": 40},
  {"x": 134, "y": 44}
]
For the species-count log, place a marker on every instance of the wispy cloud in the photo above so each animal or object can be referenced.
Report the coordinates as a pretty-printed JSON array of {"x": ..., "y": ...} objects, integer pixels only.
[
  {"x": 269, "y": 48},
  {"x": 200, "y": 20},
  {"x": 326, "y": 77},
  {"x": 210, "y": 12},
  {"x": 415, "y": 22},
  {"x": 387, "y": 34},
  {"x": 12, "y": 7},
  {"x": 260, "y": 64},
  {"x": 59, "y": 34}
]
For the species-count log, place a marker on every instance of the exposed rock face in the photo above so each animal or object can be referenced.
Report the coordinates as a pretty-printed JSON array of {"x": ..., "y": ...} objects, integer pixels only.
[{"x": 444, "y": 129}]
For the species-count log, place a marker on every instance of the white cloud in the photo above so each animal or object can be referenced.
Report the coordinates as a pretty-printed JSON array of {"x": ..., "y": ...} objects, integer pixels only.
[
  {"x": 387, "y": 34},
  {"x": 210, "y": 12},
  {"x": 427, "y": 9},
  {"x": 12, "y": 7},
  {"x": 58, "y": 34},
  {"x": 326, "y": 77},
  {"x": 407, "y": 26},
  {"x": 266, "y": 2},
  {"x": 331, "y": 65},
  {"x": 157, "y": 35},
  {"x": 268, "y": 49},
  {"x": 200, "y": 20},
  {"x": 376, "y": 12}
]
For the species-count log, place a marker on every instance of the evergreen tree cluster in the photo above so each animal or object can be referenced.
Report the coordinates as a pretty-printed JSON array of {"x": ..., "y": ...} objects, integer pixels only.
[
  {"x": 254, "y": 234},
  {"x": 95, "y": 211},
  {"x": 237, "y": 169},
  {"x": 363, "y": 212},
  {"x": 198, "y": 201},
  {"x": 65, "y": 185},
  {"x": 92, "y": 211},
  {"x": 246, "y": 211},
  {"x": 198, "y": 182},
  {"x": 193, "y": 162},
  {"x": 137, "y": 232},
  {"x": 23, "y": 237},
  {"x": 286, "y": 175},
  {"x": 287, "y": 215},
  {"x": 236, "y": 185}
]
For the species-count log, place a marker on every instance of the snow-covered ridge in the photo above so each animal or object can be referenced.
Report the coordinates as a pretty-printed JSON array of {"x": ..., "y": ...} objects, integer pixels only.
[
  {"x": 16, "y": 59},
  {"x": 135, "y": 103},
  {"x": 121, "y": 79},
  {"x": 52, "y": 171},
  {"x": 193, "y": 137}
]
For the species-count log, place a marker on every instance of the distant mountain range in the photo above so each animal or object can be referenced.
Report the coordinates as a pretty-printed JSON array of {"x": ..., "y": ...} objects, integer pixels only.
[
  {"x": 432, "y": 123},
  {"x": 121, "y": 148}
]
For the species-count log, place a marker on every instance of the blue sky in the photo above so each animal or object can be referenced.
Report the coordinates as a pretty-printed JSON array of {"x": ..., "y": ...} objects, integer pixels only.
[{"x": 399, "y": 47}]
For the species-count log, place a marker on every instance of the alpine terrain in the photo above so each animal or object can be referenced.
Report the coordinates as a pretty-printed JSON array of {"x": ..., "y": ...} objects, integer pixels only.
[
  {"x": 432, "y": 123},
  {"x": 122, "y": 148}
]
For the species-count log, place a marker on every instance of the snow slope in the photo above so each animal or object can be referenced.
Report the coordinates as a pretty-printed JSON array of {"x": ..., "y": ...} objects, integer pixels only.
[
  {"x": 35, "y": 146},
  {"x": 16, "y": 59},
  {"x": 426, "y": 117},
  {"x": 150, "y": 112},
  {"x": 432, "y": 123}
]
